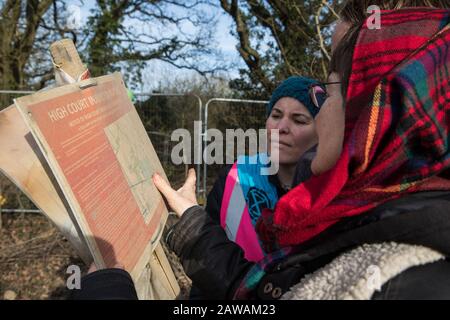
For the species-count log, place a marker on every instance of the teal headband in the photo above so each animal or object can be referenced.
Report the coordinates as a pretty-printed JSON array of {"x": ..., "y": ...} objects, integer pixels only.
[{"x": 297, "y": 88}]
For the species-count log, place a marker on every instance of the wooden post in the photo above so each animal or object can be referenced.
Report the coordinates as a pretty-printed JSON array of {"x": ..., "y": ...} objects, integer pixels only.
[{"x": 66, "y": 59}]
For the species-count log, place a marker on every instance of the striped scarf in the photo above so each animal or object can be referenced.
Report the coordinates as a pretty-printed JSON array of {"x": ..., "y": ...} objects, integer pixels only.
[{"x": 396, "y": 132}]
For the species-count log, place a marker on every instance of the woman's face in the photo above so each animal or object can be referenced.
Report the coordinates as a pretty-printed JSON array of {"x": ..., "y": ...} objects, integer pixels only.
[{"x": 297, "y": 131}]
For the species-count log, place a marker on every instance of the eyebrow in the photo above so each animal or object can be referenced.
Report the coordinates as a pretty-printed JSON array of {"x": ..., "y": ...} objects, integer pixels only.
[
  {"x": 276, "y": 109},
  {"x": 296, "y": 114}
]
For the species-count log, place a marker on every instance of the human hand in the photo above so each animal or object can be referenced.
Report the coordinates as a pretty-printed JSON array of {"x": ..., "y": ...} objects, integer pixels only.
[
  {"x": 334, "y": 90},
  {"x": 330, "y": 126},
  {"x": 181, "y": 199}
]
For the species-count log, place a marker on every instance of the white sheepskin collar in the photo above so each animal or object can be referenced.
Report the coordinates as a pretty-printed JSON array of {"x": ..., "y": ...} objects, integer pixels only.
[{"x": 358, "y": 273}]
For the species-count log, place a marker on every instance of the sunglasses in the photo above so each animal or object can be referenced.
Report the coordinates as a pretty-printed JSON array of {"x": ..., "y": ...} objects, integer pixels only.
[{"x": 318, "y": 93}]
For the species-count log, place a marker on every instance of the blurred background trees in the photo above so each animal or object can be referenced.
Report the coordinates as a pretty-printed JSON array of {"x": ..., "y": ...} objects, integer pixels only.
[
  {"x": 275, "y": 38},
  {"x": 280, "y": 38},
  {"x": 117, "y": 35}
]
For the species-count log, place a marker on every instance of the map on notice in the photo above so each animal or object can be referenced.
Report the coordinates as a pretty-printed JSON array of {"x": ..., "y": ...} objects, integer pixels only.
[
  {"x": 134, "y": 160},
  {"x": 101, "y": 156}
]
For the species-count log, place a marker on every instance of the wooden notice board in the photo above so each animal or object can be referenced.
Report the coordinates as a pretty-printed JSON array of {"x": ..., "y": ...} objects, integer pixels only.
[
  {"x": 102, "y": 159},
  {"x": 23, "y": 163}
]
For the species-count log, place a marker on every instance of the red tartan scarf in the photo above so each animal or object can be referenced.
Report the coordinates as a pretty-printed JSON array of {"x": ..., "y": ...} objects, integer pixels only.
[{"x": 396, "y": 132}]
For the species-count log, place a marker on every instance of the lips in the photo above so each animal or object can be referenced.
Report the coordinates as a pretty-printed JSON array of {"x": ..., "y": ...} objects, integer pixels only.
[{"x": 283, "y": 143}]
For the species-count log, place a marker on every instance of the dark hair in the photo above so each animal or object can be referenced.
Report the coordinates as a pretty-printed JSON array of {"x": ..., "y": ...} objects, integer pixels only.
[
  {"x": 354, "y": 12},
  {"x": 341, "y": 60}
]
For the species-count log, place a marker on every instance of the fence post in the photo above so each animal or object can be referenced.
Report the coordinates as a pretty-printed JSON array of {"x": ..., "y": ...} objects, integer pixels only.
[
  {"x": 200, "y": 114},
  {"x": 205, "y": 129}
]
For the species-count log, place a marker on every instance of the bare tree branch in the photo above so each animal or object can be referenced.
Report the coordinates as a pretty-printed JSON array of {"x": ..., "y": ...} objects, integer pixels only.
[{"x": 319, "y": 32}]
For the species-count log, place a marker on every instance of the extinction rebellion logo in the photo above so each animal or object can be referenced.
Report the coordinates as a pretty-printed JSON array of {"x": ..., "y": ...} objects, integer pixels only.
[{"x": 257, "y": 201}]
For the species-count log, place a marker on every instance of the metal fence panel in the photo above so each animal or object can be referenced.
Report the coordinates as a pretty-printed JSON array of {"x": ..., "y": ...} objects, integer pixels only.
[
  {"x": 222, "y": 114},
  {"x": 160, "y": 113}
]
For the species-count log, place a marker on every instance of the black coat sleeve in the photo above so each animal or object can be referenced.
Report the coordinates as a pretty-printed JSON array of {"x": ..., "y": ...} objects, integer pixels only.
[
  {"x": 214, "y": 263},
  {"x": 214, "y": 199},
  {"x": 106, "y": 284},
  {"x": 426, "y": 282}
]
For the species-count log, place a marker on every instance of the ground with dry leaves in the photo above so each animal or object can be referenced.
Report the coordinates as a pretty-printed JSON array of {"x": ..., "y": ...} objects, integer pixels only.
[{"x": 34, "y": 258}]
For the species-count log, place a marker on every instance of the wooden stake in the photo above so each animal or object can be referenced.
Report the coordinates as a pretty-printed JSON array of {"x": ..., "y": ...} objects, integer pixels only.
[{"x": 66, "y": 58}]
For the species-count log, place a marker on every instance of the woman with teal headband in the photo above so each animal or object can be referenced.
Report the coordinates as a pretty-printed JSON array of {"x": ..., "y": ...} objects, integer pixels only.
[{"x": 242, "y": 190}]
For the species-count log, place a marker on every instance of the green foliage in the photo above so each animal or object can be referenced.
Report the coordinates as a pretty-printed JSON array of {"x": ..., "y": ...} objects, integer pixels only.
[{"x": 280, "y": 38}]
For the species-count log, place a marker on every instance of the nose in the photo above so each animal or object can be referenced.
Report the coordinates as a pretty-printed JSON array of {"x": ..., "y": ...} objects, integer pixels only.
[{"x": 283, "y": 125}]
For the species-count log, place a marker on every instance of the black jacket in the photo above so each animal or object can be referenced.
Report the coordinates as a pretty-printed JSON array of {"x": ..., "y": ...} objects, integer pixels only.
[
  {"x": 106, "y": 284},
  {"x": 217, "y": 265},
  {"x": 213, "y": 205}
]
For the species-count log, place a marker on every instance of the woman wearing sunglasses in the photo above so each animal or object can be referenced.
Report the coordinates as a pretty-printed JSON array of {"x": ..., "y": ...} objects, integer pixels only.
[
  {"x": 242, "y": 190},
  {"x": 376, "y": 224}
]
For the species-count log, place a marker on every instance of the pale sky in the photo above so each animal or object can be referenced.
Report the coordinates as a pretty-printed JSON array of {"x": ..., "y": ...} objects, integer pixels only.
[{"x": 157, "y": 70}]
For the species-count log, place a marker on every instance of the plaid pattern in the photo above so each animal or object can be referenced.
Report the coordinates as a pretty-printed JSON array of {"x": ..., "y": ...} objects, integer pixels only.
[
  {"x": 396, "y": 133},
  {"x": 250, "y": 282}
]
